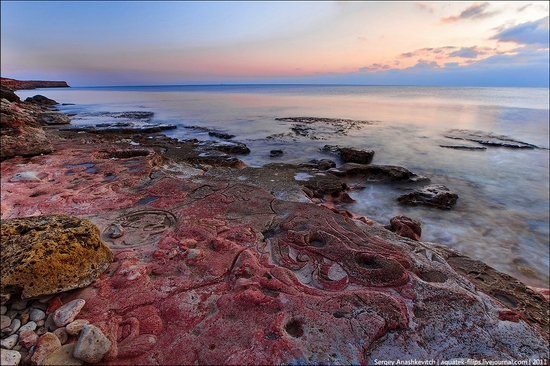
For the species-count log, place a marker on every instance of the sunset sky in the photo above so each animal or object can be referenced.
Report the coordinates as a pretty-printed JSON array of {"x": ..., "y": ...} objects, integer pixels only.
[{"x": 329, "y": 42}]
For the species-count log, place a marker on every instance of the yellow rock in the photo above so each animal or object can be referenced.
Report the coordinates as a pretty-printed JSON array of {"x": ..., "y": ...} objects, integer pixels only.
[{"x": 49, "y": 254}]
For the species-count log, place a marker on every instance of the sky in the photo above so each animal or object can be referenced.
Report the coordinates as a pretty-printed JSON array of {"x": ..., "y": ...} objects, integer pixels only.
[{"x": 96, "y": 43}]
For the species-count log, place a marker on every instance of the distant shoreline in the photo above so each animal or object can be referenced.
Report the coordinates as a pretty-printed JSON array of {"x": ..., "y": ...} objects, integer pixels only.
[{"x": 32, "y": 84}]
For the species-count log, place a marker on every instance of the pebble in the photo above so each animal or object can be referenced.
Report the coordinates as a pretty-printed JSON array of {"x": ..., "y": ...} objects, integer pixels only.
[
  {"x": 63, "y": 356},
  {"x": 61, "y": 333},
  {"x": 30, "y": 325},
  {"x": 9, "y": 342},
  {"x": 54, "y": 304},
  {"x": 28, "y": 338},
  {"x": 3, "y": 310},
  {"x": 46, "y": 344},
  {"x": 92, "y": 344},
  {"x": 45, "y": 299},
  {"x": 5, "y": 321},
  {"x": 68, "y": 312},
  {"x": 49, "y": 324},
  {"x": 11, "y": 314},
  {"x": 41, "y": 330},
  {"x": 76, "y": 326},
  {"x": 14, "y": 326},
  {"x": 19, "y": 305},
  {"x": 38, "y": 305},
  {"x": 24, "y": 318},
  {"x": 9, "y": 357}
]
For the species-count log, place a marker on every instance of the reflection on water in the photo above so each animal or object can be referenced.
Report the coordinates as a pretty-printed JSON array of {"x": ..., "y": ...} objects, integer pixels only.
[{"x": 502, "y": 214}]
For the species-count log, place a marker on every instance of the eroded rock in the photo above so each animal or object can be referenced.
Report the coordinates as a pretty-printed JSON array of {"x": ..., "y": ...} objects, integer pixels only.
[
  {"x": 49, "y": 254},
  {"x": 436, "y": 195},
  {"x": 351, "y": 154}
]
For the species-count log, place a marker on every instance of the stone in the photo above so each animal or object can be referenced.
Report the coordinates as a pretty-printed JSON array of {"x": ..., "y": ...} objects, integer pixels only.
[
  {"x": 63, "y": 356},
  {"x": 9, "y": 342},
  {"x": 15, "y": 325},
  {"x": 40, "y": 99},
  {"x": 406, "y": 227},
  {"x": 46, "y": 344},
  {"x": 221, "y": 135},
  {"x": 62, "y": 334},
  {"x": 488, "y": 139},
  {"x": 20, "y": 134},
  {"x": 92, "y": 345},
  {"x": 19, "y": 305},
  {"x": 74, "y": 327},
  {"x": 376, "y": 173},
  {"x": 351, "y": 154},
  {"x": 49, "y": 254},
  {"x": 7, "y": 93},
  {"x": 54, "y": 304},
  {"x": 275, "y": 153},
  {"x": 29, "y": 326},
  {"x": 435, "y": 195},
  {"x": 3, "y": 310},
  {"x": 36, "y": 315},
  {"x": 9, "y": 357},
  {"x": 68, "y": 312},
  {"x": 5, "y": 321},
  {"x": 53, "y": 118},
  {"x": 24, "y": 318},
  {"x": 28, "y": 338}
]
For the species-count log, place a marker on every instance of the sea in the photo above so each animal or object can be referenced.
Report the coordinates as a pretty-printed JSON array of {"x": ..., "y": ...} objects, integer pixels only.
[{"x": 502, "y": 214}]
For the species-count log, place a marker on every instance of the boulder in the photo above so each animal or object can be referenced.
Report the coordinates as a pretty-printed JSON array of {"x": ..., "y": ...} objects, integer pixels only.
[
  {"x": 21, "y": 136},
  {"x": 8, "y": 94},
  {"x": 53, "y": 118},
  {"x": 40, "y": 99},
  {"x": 351, "y": 154},
  {"x": 406, "y": 227},
  {"x": 376, "y": 173},
  {"x": 435, "y": 195},
  {"x": 49, "y": 254}
]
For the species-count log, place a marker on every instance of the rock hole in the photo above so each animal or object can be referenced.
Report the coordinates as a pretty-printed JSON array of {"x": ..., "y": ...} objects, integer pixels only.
[
  {"x": 339, "y": 314},
  {"x": 433, "y": 276},
  {"x": 369, "y": 261},
  {"x": 294, "y": 328},
  {"x": 507, "y": 300}
]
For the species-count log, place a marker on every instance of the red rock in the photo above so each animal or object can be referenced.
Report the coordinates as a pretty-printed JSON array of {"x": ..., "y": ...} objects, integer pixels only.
[
  {"x": 46, "y": 344},
  {"x": 28, "y": 338},
  {"x": 407, "y": 227},
  {"x": 54, "y": 304}
]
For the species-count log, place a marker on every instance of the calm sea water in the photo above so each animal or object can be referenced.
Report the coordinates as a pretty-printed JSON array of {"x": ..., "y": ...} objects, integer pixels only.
[{"x": 502, "y": 215}]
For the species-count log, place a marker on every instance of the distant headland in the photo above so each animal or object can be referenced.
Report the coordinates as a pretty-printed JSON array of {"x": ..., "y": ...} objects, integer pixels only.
[{"x": 32, "y": 84}]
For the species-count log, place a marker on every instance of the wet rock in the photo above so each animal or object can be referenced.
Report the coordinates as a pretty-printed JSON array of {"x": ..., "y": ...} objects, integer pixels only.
[
  {"x": 275, "y": 153},
  {"x": 464, "y": 147},
  {"x": 435, "y": 195},
  {"x": 9, "y": 357},
  {"x": 48, "y": 254},
  {"x": 68, "y": 312},
  {"x": 53, "y": 118},
  {"x": 221, "y": 135},
  {"x": 63, "y": 356},
  {"x": 376, "y": 173},
  {"x": 351, "y": 154},
  {"x": 406, "y": 227},
  {"x": 92, "y": 345},
  {"x": 229, "y": 147},
  {"x": 40, "y": 99},
  {"x": 488, "y": 139}
]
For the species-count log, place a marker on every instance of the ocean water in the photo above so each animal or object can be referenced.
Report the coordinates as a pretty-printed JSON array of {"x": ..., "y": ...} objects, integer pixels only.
[{"x": 502, "y": 214}]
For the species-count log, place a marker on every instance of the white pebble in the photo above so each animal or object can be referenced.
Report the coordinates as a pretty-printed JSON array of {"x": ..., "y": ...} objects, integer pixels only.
[
  {"x": 9, "y": 357},
  {"x": 30, "y": 325},
  {"x": 9, "y": 342},
  {"x": 92, "y": 344},
  {"x": 66, "y": 314}
]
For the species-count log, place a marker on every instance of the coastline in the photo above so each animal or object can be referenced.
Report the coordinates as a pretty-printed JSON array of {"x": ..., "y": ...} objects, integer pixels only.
[{"x": 231, "y": 234}]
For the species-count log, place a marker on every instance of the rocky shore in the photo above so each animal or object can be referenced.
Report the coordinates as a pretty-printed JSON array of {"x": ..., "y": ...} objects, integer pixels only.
[
  {"x": 32, "y": 84},
  {"x": 129, "y": 247}
]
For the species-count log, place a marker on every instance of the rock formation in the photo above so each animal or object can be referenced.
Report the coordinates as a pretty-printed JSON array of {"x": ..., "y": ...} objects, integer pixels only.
[
  {"x": 32, "y": 84},
  {"x": 48, "y": 254}
]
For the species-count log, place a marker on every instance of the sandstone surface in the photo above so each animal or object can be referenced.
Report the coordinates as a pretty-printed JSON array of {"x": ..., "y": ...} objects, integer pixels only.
[{"x": 48, "y": 254}]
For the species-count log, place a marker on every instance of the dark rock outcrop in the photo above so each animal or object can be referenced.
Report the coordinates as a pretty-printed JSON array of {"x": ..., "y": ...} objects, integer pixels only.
[
  {"x": 406, "y": 227},
  {"x": 53, "y": 118},
  {"x": 376, "y": 173},
  {"x": 40, "y": 99},
  {"x": 7, "y": 93},
  {"x": 48, "y": 254},
  {"x": 488, "y": 139},
  {"x": 435, "y": 195},
  {"x": 351, "y": 154}
]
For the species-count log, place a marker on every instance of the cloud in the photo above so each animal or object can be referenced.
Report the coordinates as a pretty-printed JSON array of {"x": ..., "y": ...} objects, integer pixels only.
[
  {"x": 475, "y": 11},
  {"x": 467, "y": 52},
  {"x": 424, "y": 6},
  {"x": 530, "y": 33}
]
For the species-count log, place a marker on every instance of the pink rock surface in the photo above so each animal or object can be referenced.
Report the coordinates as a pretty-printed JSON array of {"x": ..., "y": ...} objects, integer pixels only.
[
  {"x": 219, "y": 272},
  {"x": 68, "y": 312}
]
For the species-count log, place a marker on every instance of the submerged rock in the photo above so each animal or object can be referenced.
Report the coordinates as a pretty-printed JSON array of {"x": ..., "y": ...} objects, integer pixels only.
[
  {"x": 488, "y": 139},
  {"x": 351, "y": 154},
  {"x": 49, "y": 254},
  {"x": 40, "y": 99},
  {"x": 376, "y": 173},
  {"x": 436, "y": 195}
]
